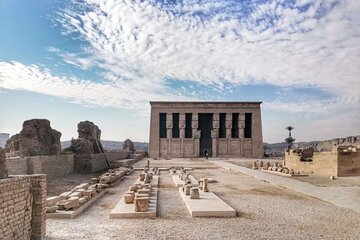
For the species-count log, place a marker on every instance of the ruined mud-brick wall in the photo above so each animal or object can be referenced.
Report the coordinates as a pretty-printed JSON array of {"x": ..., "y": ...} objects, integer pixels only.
[
  {"x": 22, "y": 207},
  {"x": 53, "y": 166},
  {"x": 322, "y": 164}
]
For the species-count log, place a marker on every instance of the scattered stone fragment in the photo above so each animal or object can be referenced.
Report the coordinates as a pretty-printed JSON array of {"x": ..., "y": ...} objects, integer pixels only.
[
  {"x": 75, "y": 194},
  {"x": 51, "y": 201},
  {"x": 205, "y": 185},
  {"x": 82, "y": 200},
  {"x": 129, "y": 197},
  {"x": 51, "y": 209},
  {"x": 65, "y": 195},
  {"x": 141, "y": 204},
  {"x": 72, "y": 202},
  {"x": 194, "y": 193}
]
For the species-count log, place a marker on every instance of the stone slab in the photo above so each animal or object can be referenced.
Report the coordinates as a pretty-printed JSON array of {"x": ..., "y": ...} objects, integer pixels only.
[
  {"x": 123, "y": 210},
  {"x": 179, "y": 183},
  {"x": 209, "y": 205}
]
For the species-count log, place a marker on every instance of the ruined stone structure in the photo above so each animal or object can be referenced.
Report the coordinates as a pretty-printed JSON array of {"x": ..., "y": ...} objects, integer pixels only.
[
  {"x": 342, "y": 161},
  {"x": 199, "y": 129},
  {"x": 129, "y": 146},
  {"x": 3, "y": 168},
  {"x": 22, "y": 207},
  {"x": 36, "y": 138},
  {"x": 88, "y": 141}
]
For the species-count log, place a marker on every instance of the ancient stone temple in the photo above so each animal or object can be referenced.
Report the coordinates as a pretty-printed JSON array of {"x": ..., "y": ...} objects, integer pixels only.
[{"x": 197, "y": 129}]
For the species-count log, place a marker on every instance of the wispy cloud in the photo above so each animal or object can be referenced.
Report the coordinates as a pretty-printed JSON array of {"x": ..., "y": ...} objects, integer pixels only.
[
  {"x": 140, "y": 45},
  {"x": 32, "y": 78}
]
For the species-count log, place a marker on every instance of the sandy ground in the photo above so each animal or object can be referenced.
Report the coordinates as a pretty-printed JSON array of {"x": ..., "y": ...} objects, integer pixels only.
[{"x": 264, "y": 211}]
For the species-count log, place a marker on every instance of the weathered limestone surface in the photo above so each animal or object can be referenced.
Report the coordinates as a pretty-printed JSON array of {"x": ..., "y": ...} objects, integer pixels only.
[
  {"x": 36, "y": 138},
  {"x": 3, "y": 168},
  {"x": 129, "y": 146},
  {"x": 88, "y": 141}
]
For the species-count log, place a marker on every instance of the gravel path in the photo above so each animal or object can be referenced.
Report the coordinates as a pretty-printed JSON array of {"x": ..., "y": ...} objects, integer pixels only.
[{"x": 264, "y": 212}]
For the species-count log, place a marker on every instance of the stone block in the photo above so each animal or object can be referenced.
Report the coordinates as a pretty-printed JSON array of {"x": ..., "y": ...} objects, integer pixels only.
[
  {"x": 84, "y": 185},
  {"x": 141, "y": 204},
  {"x": 194, "y": 193},
  {"x": 89, "y": 193},
  {"x": 64, "y": 195},
  {"x": 51, "y": 201},
  {"x": 75, "y": 194},
  {"x": 51, "y": 209},
  {"x": 72, "y": 202},
  {"x": 129, "y": 197},
  {"x": 143, "y": 191}
]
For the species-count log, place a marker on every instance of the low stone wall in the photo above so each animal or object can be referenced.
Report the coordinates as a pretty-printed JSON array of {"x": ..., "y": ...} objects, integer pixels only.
[
  {"x": 22, "y": 207},
  {"x": 53, "y": 166},
  {"x": 117, "y": 155},
  {"x": 90, "y": 163}
]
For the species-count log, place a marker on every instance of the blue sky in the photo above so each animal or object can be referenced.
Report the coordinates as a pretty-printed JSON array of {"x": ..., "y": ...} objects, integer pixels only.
[{"x": 104, "y": 60}]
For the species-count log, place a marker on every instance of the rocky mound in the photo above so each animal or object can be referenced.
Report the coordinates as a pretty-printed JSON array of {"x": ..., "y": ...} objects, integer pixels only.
[
  {"x": 35, "y": 139},
  {"x": 129, "y": 146},
  {"x": 88, "y": 141}
]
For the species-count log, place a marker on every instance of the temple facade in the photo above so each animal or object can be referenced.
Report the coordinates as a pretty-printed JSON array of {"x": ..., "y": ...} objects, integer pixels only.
[{"x": 197, "y": 129}]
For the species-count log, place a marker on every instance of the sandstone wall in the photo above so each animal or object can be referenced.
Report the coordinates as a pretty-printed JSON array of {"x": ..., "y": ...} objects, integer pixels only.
[
  {"x": 53, "y": 166},
  {"x": 190, "y": 147},
  {"x": 22, "y": 207},
  {"x": 323, "y": 163}
]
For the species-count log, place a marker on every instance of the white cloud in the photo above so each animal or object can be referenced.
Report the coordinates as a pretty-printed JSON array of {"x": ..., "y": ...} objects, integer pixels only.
[
  {"x": 139, "y": 45},
  {"x": 17, "y": 76},
  {"x": 139, "y": 41}
]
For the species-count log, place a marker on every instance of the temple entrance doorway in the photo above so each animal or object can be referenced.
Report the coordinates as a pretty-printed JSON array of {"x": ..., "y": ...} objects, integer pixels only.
[{"x": 205, "y": 125}]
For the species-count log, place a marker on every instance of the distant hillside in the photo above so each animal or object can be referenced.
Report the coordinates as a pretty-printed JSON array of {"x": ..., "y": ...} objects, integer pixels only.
[
  {"x": 325, "y": 145},
  {"x": 112, "y": 145}
]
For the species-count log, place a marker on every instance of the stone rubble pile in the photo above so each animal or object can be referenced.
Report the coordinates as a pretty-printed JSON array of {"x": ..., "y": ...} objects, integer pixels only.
[
  {"x": 188, "y": 188},
  {"x": 276, "y": 167},
  {"x": 139, "y": 193},
  {"x": 82, "y": 193}
]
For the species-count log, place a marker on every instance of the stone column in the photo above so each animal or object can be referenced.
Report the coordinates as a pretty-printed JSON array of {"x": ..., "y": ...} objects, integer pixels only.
[
  {"x": 38, "y": 221},
  {"x": 228, "y": 125},
  {"x": 182, "y": 132},
  {"x": 169, "y": 126},
  {"x": 241, "y": 125},
  {"x": 215, "y": 134},
  {"x": 196, "y": 134}
]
